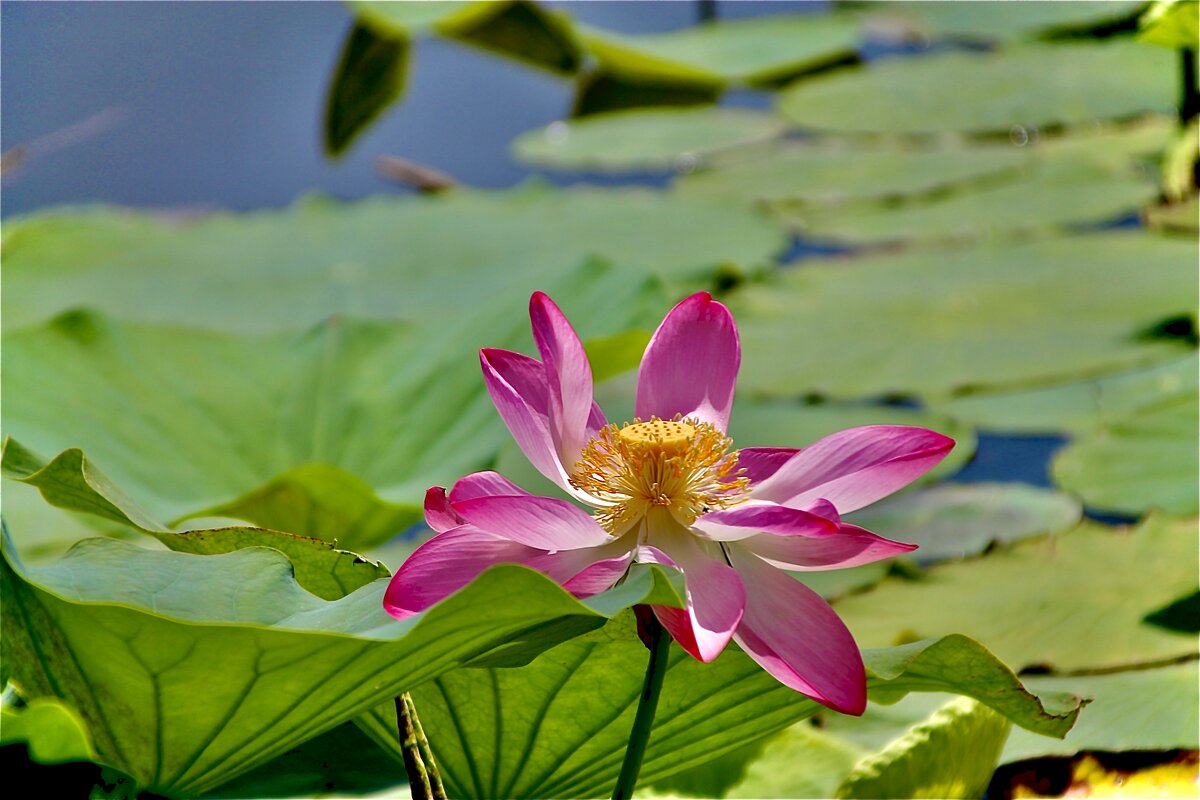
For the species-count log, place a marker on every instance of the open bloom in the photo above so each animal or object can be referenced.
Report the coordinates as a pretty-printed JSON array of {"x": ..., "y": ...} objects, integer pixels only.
[{"x": 668, "y": 489}]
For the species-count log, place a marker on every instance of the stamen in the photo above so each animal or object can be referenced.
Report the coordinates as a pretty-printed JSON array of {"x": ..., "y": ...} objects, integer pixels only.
[{"x": 682, "y": 466}]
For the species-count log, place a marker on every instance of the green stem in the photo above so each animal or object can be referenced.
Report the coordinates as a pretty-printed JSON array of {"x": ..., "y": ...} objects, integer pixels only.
[
  {"x": 414, "y": 765},
  {"x": 656, "y": 669},
  {"x": 1189, "y": 102},
  {"x": 431, "y": 767}
]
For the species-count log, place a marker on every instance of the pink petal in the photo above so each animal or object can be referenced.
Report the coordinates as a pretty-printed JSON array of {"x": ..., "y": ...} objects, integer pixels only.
[
  {"x": 543, "y": 522},
  {"x": 517, "y": 385},
  {"x": 760, "y": 463},
  {"x": 795, "y": 636},
  {"x": 715, "y": 596},
  {"x": 445, "y": 564},
  {"x": 852, "y": 546},
  {"x": 855, "y": 467},
  {"x": 691, "y": 364},
  {"x": 568, "y": 376},
  {"x": 752, "y": 519},
  {"x": 483, "y": 484},
  {"x": 824, "y": 508},
  {"x": 596, "y": 576},
  {"x": 439, "y": 514}
]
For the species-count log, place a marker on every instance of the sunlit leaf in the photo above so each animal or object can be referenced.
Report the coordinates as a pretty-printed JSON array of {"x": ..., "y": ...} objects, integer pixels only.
[
  {"x": 951, "y": 754},
  {"x": 1146, "y": 460},
  {"x": 190, "y": 670},
  {"x": 1171, "y": 23},
  {"x": 644, "y": 140},
  {"x": 391, "y": 258},
  {"x": 1031, "y": 86},
  {"x": 50, "y": 728},
  {"x": 1070, "y": 601},
  {"x": 931, "y": 322}
]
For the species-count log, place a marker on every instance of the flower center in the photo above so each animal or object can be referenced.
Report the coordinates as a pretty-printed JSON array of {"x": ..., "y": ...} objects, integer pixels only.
[{"x": 681, "y": 466}]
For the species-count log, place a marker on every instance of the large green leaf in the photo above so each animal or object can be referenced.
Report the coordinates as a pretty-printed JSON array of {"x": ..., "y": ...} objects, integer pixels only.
[
  {"x": 763, "y": 50},
  {"x": 71, "y": 482},
  {"x": 659, "y": 139},
  {"x": 1058, "y": 194},
  {"x": 1071, "y": 601},
  {"x": 1146, "y": 460},
  {"x": 930, "y": 323},
  {"x": 1003, "y": 20},
  {"x": 558, "y": 726},
  {"x": 959, "y": 520},
  {"x": 403, "y": 258},
  {"x": 951, "y": 754},
  {"x": 1031, "y": 86},
  {"x": 1146, "y": 709},
  {"x": 401, "y": 407},
  {"x": 1079, "y": 406},
  {"x": 190, "y": 670}
]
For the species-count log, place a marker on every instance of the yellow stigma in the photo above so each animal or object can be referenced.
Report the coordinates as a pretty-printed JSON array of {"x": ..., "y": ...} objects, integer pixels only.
[
  {"x": 667, "y": 434},
  {"x": 681, "y": 466}
]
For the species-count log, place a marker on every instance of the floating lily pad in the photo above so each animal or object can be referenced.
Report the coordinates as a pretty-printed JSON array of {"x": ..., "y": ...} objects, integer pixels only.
[
  {"x": 1031, "y": 86},
  {"x": 1003, "y": 20},
  {"x": 189, "y": 670},
  {"x": 543, "y": 730},
  {"x": 1072, "y": 601},
  {"x": 1146, "y": 460},
  {"x": 930, "y": 323},
  {"x": 1145, "y": 709},
  {"x": 1079, "y": 406},
  {"x": 828, "y": 171},
  {"x": 960, "y": 520},
  {"x": 661, "y": 139},
  {"x": 393, "y": 258},
  {"x": 1058, "y": 194},
  {"x": 763, "y": 50},
  {"x": 188, "y": 419},
  {"x": 825, "y": 171}
]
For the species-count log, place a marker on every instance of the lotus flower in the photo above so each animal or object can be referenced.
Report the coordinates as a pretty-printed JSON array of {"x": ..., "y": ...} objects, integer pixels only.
[{"x": 668, "y": 489}]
